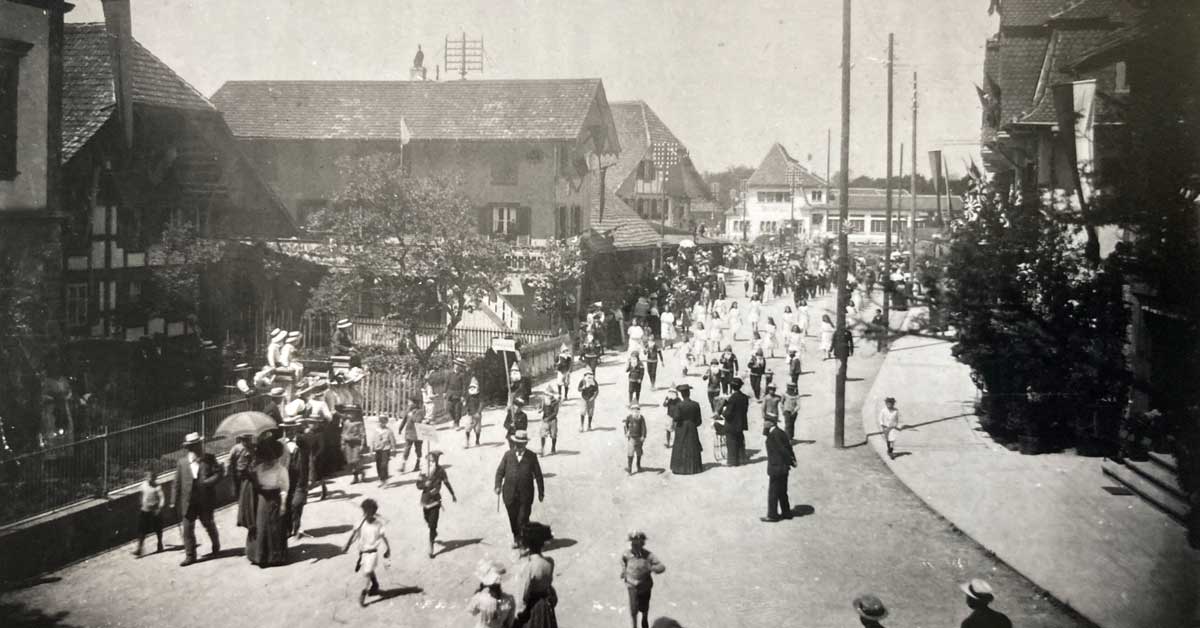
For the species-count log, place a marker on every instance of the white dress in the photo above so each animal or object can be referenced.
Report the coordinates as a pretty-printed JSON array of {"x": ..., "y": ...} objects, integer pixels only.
[
  {"x": 635, "y": 339},
  {"x": 889, "y": 424},
  {"x": 667, "y": 322}
]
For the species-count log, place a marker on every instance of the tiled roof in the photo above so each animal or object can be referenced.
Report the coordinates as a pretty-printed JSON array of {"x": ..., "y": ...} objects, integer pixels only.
[
  {"x": 1112, "y": 41},
  {"x": 88, "y": 99},
  {"x": 432, "y": 110},
  {"x": 871, "y": 198},
  {"x": 775, "y": 168},
  {"x": 638, "y": 129},
  {"x": 1068, "y": 44},
  {"x": 1021, "y": 59},
  {"x": 1024, "y": 13},
  {"x": 628, "y": 230},
  {"x": 1115, "y": 11}
]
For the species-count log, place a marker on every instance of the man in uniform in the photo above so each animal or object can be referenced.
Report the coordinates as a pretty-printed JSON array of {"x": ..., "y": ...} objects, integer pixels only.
[{"x": 736, "y": 423}]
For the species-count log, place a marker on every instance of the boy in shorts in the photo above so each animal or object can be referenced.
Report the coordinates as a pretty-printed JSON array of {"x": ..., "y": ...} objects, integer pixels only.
[
  {"x": 550, "y": 420},
  {"x": 637, "y": 568},
  {"x": 370, "y": 536},
  {"x": 635, "y": 435}
]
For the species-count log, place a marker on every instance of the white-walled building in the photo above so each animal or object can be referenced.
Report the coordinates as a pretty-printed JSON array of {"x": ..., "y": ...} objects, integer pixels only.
[{"x": 780, "y": 190}]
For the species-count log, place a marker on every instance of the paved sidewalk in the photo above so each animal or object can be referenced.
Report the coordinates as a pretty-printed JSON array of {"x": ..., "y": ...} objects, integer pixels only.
[{"x": 1116, "y": 560}]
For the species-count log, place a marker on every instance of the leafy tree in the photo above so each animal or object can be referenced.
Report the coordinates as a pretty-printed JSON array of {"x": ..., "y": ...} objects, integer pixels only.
[
  {"x": 26, "y": 347},
  {"x": 556, "y": 277},
  {"x": 727, "y": 179},
  {"x": 406, "y": 247},
  {"x": 177, "y": 261}
]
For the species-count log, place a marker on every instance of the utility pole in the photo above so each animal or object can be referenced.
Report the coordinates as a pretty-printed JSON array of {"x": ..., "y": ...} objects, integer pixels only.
[
  {"x": 839, "y": 409},
  {"x": 887, "y": 233},
  {"x": 912, "y": 243}
]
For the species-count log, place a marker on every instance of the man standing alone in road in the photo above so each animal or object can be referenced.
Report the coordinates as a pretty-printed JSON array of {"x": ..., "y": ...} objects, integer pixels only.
[
  {"x": 780, "y": 460},
  {"x": 515, "y": 477},
  {"x": 734, "y": 412}
]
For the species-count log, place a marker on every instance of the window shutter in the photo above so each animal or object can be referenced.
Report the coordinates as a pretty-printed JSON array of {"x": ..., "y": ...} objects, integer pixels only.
[
  {"x": 523, "y": 221},
  {"x": 485, "y": 220}
]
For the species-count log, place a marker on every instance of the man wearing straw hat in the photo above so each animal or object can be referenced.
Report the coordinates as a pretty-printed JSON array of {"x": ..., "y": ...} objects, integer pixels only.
[
  {"x": 515, "y": 478},
  {"x": 979, "y": 596},
  {"x": 343, "y": 344},
  {"x": 194, "y": 496},
  {"x": 277, "y": 336}
]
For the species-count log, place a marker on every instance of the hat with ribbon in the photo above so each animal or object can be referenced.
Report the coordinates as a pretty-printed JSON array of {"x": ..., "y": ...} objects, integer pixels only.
[
  {"x": 519, "y": 436},
  {"x": 193, "y": 438},
  {"x": 489, "y": 572},
  {"x": 343, "y": 323}
]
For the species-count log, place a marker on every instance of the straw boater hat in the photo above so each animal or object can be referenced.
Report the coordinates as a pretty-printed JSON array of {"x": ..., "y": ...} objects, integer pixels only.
[
  {"x": 634, "y": 406},
  {"x": 460, "y": 361},
  {"x": 978, "y": 589},
  {"x": 293, "y": 335},
  {"x": 278, "y": 335},
  {"x": 343, "y": 323},
  {"x": 637, "y": 534},
  {"x": 519, "y": 436},
  {"x": 519, "y": 401},
  {"x": 870, "y": 607},
  {"x": 353, "y": 376},
  {"x": 489, "y": 572},
  {"x": 193, "y": 438},
  {"x": 277, "y": 391}
]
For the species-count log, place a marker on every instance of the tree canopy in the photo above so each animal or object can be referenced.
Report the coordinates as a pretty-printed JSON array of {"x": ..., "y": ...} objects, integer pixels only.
[{"x": 404, "y": 247}]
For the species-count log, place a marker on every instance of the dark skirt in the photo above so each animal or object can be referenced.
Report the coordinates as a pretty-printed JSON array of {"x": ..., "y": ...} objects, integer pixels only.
[
  {"x": 685, "y": 453},
  {"x": 329, "y": 460},
  {"x": 538, "y": 613},
  {"x": 246, "y": 505},
  {"x": 269, "y": 543}
]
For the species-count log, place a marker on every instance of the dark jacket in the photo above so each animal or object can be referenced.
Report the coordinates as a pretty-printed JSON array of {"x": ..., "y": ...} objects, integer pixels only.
[
  {"x": 735, "y": 411},
  {"x": 196, "y": 494},
  {"x": 780, "y": 457},
  {"x": 515, "y": 419},
  {"x": 687, "y": 411},
  {"x": 456, "y": 385},
  {"x": 516, "y": 478}
]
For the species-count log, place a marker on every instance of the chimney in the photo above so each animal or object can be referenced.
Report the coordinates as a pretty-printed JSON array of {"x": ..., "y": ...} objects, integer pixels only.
[{"x": 118, "y": 22}]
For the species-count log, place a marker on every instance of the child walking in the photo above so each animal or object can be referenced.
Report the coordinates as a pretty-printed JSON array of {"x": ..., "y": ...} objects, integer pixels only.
[
  {"x": 370, "y": 537},
  {"x": 588, "y": 390},
  {"x": 635, "y": 435},
  {"x": 474, "y": 408},
  {"x": 889, "y": 424},
  {"x": 382, "y": 443},
  {"x": 430, "y": 484},
  {"x": 550, "y": 420},
  {"x": 149, "y": 518},
  {"x": 638, "y": 566}
]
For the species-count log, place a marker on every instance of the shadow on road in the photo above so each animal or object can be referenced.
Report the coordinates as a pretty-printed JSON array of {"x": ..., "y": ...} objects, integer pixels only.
[
  {"x": 603, "y": 429},
  {"x": 564, "y": 452},
  {"x": 559, "y": 543},
  {"x": 30, "y": 583},
  {"x": 450, "y": 546},
  {"x": 327, "y": 530},
  {"x": 17, "y": 615},
  {"x": 803, "y": 510},
  {"x": 387, "y": 594},
  {"x": 658, "y": 470},
  {"x": 800, "y": 441},
  {"x": 313, "y": 552}
]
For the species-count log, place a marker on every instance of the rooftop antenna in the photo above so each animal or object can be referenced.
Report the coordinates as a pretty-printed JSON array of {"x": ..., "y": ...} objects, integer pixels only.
[{"x": 464, "y": 55}]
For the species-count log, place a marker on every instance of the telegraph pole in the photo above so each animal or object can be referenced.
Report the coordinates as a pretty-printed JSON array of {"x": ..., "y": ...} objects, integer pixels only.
[
  {"x": 887, "y": 233},
  {"x": 912, "y": 243},
  {"x": 839, "y": 410}
]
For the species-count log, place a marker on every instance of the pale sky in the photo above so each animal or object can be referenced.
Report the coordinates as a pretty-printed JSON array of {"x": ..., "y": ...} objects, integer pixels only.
[{"x": 728, "y": 77}]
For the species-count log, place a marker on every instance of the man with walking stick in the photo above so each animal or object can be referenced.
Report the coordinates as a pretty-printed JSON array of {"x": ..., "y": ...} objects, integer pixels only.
[{"x": 515, "y": 478}]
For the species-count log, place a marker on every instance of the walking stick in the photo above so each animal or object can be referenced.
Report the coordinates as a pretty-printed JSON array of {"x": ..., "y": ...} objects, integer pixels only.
[{"x": 497, "y": 502}]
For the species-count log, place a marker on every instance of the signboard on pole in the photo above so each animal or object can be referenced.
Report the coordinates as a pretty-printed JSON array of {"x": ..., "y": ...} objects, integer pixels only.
[{"x": 502, "y": 345}]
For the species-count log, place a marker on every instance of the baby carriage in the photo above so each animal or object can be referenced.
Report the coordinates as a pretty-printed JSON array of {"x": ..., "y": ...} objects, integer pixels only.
[{"x": 718, "y": 438}]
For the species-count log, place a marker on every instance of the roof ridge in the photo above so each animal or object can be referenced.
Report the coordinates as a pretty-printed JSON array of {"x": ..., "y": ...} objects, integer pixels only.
[
  {"x": 176, "y": 74},
  {"x": 395, "y": 81}
]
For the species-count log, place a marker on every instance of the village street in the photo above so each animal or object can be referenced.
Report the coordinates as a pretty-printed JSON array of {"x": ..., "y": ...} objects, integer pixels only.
[{"x": 861, "y": 531}]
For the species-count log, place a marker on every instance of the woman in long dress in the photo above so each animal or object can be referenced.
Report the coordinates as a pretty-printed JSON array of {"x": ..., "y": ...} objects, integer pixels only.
[
  {"x": 802, "y": 317},
  {"x": 685, "y": 453},
  {"x": 827, "y": 330},
  {"x": 244, "y": 472},
  {"x": 269, "y": 544},
  {"x": 770, "y": 333},
  {"x": 534, "y": 586}
]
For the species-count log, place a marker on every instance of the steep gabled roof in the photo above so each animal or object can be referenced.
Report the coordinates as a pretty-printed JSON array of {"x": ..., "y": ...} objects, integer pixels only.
[
  {"x": 531, "y": 110},
  {"x": 88, "y": 97},
  {"x": 639, "y": 129},
  {"x": 1067, "y": 45},
  {"x": 776, "y": 168},
  {"x": 1021, "y": 61}
]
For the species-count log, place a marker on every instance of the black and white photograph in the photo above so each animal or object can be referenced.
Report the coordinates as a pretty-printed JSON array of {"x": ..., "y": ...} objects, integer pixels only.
[{"x": 645, "y": 313}]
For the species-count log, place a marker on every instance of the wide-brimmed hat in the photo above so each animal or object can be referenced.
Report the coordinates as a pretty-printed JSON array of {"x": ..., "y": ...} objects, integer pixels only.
[
  {"x": 635, "y": 406},
  {"x": 243, "y": 366},
  {"x": 519, "y": 401},
  {"x": 460, "y": 361},
  {"x": 519, "y": 436},
  {"x": 737, "y": 382},
  {"x": 343, "y": 323},
  {"x": 295, "y": 406},
  {"x": 564, "y": 349},
  {"x": 277, "y": 391},
  {"x": 870, "y": 607},
  {"x": 193, "y": 438},
  {"x": 683, "y": 387},
  {"x": 978, "y": 589},
  {"x": 771, "y": 386},
  {"x": 293, "y": 335},
  {"x": 489, "y": 572},
  {"x": 434, "y": 453}
]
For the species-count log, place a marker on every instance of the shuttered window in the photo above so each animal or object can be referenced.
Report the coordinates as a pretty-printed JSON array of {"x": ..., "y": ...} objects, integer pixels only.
[{"x": 11, "y": 52}]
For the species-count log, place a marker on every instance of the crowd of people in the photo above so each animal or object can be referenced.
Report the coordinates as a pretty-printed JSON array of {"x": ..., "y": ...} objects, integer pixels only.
[{"x": 320, "y": 430}]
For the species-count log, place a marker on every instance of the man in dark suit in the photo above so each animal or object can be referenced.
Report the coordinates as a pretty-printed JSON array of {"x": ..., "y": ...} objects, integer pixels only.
[
  {"x": 780, "y": 460},
  {"x": 515, "y": 477},
  {"x": 196, "y": 478},
  {"x": 735, "y": 412}
]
